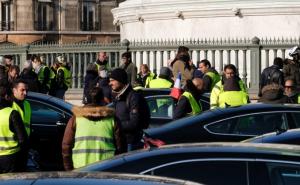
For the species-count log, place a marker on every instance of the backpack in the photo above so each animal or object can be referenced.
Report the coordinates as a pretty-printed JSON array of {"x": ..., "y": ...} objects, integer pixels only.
[{"x": 144, "y": 109}]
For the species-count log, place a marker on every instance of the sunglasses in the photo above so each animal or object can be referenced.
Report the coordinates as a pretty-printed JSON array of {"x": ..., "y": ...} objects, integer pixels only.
[{"x": 288, "y": 86}]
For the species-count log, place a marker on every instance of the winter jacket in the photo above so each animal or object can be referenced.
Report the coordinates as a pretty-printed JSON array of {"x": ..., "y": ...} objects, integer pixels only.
[
  {"x": 129, "y": 114},
  {"x": 186, "y": 74},
  {"x": 89, "y": 82},
  {"x": 3, "y": 76},
  {"x": 131, "y": 71},
  {"x": 270, "y": 75},
  {"x": 94, "y": 113},
  {"x": 31, "y": 79},
  {"x": 209, "y": 83}
]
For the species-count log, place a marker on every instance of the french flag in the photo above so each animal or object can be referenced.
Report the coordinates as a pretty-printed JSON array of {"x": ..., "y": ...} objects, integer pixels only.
[{"x": 176, "y": 91}]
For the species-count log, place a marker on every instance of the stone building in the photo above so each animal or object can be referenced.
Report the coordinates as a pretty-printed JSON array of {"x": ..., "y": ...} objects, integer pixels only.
[{"x": 63, "y": 21}]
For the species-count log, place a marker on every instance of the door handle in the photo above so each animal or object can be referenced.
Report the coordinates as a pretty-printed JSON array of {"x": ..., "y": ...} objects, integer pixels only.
[{"x": 58, "y": 123}]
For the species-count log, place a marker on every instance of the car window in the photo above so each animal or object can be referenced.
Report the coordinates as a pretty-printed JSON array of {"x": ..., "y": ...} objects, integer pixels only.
[
  {"x": 253, "y": 124},
  {"x": 42, "y": 112},
  {"x": 161, "y": 106},
  {"x": 296, "y": 117},
  {"x": 206, "y": 172},
  {"x": 284, "y": 174}
]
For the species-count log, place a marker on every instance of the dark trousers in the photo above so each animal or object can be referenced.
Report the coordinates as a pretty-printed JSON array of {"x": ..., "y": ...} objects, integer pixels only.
[
  {"x": 9, "y": 163},
  {"x": 60, "y": 93}
]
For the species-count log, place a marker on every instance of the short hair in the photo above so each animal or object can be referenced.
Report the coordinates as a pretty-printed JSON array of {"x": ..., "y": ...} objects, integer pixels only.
[
  {"x": 278, "y": 61},
  {"x": 126, "y": 55},
  {"x": 96, "y": 95},
  {"x": 8, "y": 57},
  {"x": 38, "y": 58},
  {"x": 205, "y": 62},
  {"x": 182, "y": 49},
  {"x": 17, "y": 82},
  {"x": 230, "y": 66}
]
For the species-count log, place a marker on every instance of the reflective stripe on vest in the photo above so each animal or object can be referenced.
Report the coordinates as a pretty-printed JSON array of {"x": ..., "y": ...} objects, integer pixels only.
[
  {"x": 67, "y": 76},
  {"x": 215, "y": 78},
  {"x": 25, "y": 115},
  {"x": 232, "y": 99},
  {"x": 160, "y": 83},
  {"x": 8, "y": 145},
  {"x": 196, "y": 108},
  {"x": 93, "y": 141},
  {"x": 41, "y": 76}
]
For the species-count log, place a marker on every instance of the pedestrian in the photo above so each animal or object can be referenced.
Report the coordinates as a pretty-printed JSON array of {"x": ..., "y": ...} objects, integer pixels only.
[
  {"x": 272, "y": 74},
  {"x": 92, "y": 134},
  {"x": 232, "y": 95},
  {"x": 211, "y": 76},
  {"x": 3, "y": 73},
  {"x": 102, "y": 81},
  {"x": 8, "y": 60},
  {"x": 292, "y": 69},
  {"x": 14, "y": 136},
  {"x": 53, "y": 73},
  {"x": 102, "y": 60},
  {"x": 197, "y": 72},
  {"x": 43, "y": 73},
  {"x": 229, "y": 71},
  {"x": 13, "y": 74},
  {"x": 182, "y": 65},
  {"x": 30, "y": 77},
  {"x": 129, "y": 67},
  {"x": 145, "y": 76},
  {"x": 164, "y": 79},
  {"x": 20, "y": 104},
  {"x": 91, "y": 75},
  {"x": 131, "y": 108},
  {"x": 63, "y": 77},
  {"x": 189, "y": 102},
  {"x": 291, "y": 92},
  {"x": 273, "y": 94}
]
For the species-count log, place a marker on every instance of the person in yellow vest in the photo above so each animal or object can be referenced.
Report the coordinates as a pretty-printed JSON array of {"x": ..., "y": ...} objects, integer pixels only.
[
  {"x": 210, "y": 77},
  {"x": 13, "y": 136},
  {"x": 164, "y": 79},
  {"x": 53, "y": 74},
  {"x": 20, "y": 104},
  {"x": 189, "y": 102},
  {"x": 92, "y": 134},
  {"x": 229, "y": 71},
  {"x": 145, "y": 76},
  {"x": 232, "y": 95},
  {"x": 43, "y": 73},
  {"x": 63, "y": 78},
  {"x": 102, "y": 61}
]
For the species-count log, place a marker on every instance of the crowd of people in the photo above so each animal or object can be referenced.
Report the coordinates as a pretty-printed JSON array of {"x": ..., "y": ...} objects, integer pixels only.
[{"x": 97, "y": 132}]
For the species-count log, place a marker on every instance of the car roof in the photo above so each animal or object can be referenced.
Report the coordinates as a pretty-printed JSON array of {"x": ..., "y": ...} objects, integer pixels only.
[
  {"x": 225, "y": 113},
  {"x": 230, "y": 150},
  {"x": 63, "y": 178},
  {"x": 49, "y": 99}
]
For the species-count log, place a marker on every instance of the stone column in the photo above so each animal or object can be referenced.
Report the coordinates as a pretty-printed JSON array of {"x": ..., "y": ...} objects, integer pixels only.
[{"x": 255, "y": 65}]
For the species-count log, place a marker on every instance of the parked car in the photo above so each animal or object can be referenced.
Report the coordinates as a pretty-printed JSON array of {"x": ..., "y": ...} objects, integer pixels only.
[
  {"x": 228, "y": 124},
  {"x": 49, "y": 118},
  {"x": 84, "y": 178},
  {"x": 212, "y": 163},
  {"x": 284, "y": 137}
]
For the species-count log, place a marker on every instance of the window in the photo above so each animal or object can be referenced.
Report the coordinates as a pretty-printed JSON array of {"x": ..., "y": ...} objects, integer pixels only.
[
  {"x": 254, "y": 124},
  {"x": 284, "y": 174},
  {"x": 44, "y": 18},
  {"x": 161, "y": 106},
  {"x": 296, "y": 118},
  {"x": 6, "y": 23},
  {"x": 88, "y": 16},
  {"x": 206, "y": 172}
]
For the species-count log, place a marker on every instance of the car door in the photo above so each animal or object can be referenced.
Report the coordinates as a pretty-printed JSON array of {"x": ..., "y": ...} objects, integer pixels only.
[
  {"x": 241, "y": 127},
  {"x": 48, "y": 124},
  {"x": 161, "y": 109}
]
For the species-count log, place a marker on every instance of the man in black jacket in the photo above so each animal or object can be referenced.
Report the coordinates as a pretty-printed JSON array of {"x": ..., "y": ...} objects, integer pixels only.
[
  {"x": 272, "y": 75},
  {"x": 131, "y": 108},
  {"x": 3, "y": 73}
]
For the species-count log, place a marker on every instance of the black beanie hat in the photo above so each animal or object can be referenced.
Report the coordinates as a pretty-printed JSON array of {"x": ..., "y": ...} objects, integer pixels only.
[{"x": 120, "y": 75}]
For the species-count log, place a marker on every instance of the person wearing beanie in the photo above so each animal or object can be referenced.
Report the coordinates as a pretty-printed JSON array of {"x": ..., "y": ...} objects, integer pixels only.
[
  {"x": 164, "y": 79},
  {"x": 129, "y": 67},
  {"x": 131, "y": 108}
]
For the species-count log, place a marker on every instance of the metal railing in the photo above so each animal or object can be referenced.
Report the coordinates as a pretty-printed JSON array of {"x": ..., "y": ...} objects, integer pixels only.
[{"x": 249, "y": 55}]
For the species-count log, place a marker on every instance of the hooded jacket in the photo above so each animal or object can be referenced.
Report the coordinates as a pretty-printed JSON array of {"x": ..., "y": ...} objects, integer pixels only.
[
  {"x": 94, "y": 113},
  {"x": 273, "y": 94}
]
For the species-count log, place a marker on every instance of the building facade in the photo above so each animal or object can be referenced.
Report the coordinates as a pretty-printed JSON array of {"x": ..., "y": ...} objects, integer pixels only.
[{"x": 63, "y": 21}]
